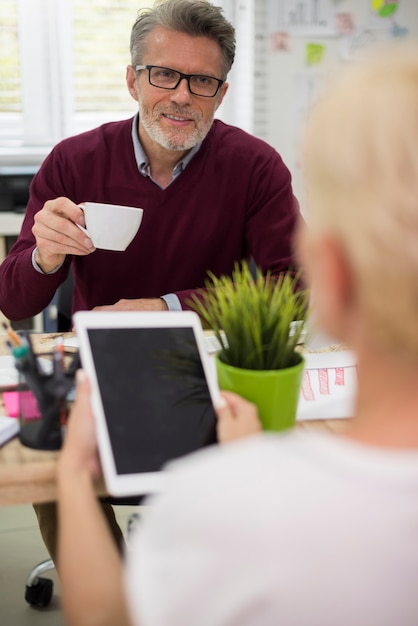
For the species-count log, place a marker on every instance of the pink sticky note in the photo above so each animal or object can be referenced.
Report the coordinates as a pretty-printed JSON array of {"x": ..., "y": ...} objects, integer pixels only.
[
  {"x": 27, "y": 400},
  {"x": 11, "y": 401}
]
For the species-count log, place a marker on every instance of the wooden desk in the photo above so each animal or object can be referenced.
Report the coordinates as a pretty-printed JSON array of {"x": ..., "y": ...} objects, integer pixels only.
[{"x": 28, "y": 475}]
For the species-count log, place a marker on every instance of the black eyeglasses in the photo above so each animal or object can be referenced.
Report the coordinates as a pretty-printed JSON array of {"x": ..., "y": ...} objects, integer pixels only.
[{"x": 166, "y": 78}]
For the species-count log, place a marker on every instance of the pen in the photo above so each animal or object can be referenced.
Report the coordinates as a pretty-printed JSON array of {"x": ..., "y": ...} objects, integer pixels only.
[
  {"x": 74, "y": 365},
  {"x": 26, "y": 339},
  {"x": 58, "y": 359},
  {"x": 13, "y": 336}
]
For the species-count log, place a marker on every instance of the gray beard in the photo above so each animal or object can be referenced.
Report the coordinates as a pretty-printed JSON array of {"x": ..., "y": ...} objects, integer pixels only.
[{"x": 173, "y": 140}]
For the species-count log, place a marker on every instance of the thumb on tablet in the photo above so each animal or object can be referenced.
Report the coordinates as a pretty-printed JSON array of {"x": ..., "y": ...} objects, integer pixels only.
[
  {"x": 82, "y": 396},
  {"x": 237, "y": 418},
  {"x": 81, "y": 420}
]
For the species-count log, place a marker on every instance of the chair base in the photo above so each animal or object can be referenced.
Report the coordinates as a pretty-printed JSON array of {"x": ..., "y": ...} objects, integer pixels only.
[{"x": 39, "y": 590}]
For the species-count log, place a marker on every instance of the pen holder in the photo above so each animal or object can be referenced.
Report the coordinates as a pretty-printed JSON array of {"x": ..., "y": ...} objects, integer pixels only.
[
  {"x": 43, "y": 403},
  {"x": 42, "y": 420}
]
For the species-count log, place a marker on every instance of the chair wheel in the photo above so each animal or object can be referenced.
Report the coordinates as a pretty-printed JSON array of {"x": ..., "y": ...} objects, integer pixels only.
[{"x": 39, "y": 594}]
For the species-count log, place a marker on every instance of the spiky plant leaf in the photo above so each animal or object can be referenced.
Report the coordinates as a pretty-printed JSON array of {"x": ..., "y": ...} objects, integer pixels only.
[{"x": 255, "y": 312}]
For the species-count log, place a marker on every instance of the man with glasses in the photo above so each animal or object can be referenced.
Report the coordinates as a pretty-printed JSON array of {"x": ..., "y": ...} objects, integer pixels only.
[{"x": 211, "y": 193}]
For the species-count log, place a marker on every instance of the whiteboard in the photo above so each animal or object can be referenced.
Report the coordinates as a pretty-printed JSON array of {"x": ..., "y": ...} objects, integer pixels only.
[{"x": 308, "y": 39}]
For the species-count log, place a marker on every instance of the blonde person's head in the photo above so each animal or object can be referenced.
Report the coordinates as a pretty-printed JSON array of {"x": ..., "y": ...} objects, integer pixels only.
[{"x": 361, "y": 166}]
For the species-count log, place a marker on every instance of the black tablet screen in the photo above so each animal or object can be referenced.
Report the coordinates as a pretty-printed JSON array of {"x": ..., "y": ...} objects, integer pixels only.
[{"x": 154, "y": 393}]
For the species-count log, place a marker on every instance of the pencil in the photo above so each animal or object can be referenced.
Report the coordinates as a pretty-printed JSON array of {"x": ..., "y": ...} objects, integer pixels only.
[{"x": 13, "y": 336}]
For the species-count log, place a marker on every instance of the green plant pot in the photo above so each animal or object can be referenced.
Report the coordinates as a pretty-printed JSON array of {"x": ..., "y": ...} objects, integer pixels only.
[{"x": 275, "y": 392}]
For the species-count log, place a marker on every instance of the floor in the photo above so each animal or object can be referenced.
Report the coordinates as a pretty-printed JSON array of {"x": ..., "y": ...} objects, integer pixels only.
[{"x": 21, "y": 548}]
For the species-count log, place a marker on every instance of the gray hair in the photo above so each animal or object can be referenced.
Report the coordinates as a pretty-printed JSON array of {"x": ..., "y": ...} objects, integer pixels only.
[{"x": 195, "y": 18}]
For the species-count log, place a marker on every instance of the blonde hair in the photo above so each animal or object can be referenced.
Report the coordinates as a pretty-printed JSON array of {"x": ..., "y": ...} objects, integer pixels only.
[{"x": 361, "y": 165}]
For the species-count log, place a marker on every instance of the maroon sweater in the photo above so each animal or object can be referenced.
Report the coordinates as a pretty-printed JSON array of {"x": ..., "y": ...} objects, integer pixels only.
[{"x": 234, "y": 200}]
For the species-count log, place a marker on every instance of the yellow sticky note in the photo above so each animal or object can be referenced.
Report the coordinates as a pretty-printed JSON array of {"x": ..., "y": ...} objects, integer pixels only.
[
  {"x": 314, "y": 53},
  {"x": 377, "y": 4}
]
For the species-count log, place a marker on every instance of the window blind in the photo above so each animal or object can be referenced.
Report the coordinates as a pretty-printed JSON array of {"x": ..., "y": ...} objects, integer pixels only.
[
  {"x": 63, "y": 67},
  {"x": 9, "y": 52},
  {"x": 98, "y": 53},
  {"x": 10, "y": 79}
]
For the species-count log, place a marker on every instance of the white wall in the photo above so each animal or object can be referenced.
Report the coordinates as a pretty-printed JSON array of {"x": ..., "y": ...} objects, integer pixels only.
[{"x": 291, "y": 82}]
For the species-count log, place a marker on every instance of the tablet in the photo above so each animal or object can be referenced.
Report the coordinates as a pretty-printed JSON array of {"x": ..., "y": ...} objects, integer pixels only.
[{"x": 153, "y": 392}]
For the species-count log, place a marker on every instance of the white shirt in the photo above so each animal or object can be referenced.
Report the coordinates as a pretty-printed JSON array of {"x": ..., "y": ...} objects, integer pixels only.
[{"x": 306, "y": 529}]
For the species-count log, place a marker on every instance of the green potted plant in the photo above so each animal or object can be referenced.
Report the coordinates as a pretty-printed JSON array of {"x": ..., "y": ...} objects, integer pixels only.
[{"x": 258, "y": 321}]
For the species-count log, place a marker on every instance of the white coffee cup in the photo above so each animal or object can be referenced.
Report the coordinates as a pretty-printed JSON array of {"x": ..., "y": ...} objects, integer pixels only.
[{"x": 111, "y": 226}]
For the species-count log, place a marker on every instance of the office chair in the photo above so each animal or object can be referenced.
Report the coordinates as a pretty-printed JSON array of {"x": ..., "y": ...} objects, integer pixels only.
[
  {"x": 38, "y": 589},
  {"x": 64, "y": 304}
]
